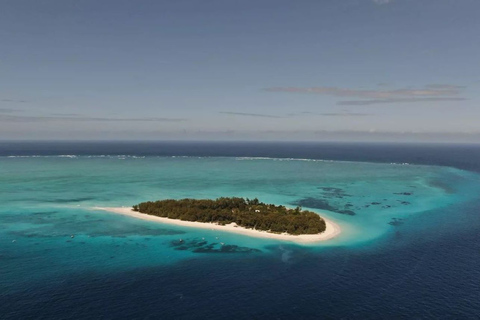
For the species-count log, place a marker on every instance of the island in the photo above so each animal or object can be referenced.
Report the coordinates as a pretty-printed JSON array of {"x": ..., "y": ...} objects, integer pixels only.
[{"x": 239, "y": 215}]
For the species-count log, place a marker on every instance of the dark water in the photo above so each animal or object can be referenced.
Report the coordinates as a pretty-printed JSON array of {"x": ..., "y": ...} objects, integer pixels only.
[{"x": 417, "y": 272}]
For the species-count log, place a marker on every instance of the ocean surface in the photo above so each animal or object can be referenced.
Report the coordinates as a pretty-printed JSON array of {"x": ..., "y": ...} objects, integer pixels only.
[{"x": 409, "y": 247}]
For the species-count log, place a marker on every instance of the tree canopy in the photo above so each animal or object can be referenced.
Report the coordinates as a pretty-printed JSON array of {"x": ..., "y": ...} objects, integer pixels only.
[{"x": 247, "y": 213}]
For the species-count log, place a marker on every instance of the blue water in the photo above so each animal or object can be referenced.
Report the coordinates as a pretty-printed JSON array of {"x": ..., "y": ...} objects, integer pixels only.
[{"x": 409, "y": 248}]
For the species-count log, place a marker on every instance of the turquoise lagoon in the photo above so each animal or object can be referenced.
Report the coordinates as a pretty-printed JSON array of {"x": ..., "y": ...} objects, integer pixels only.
[{"x": 47, "y": 218}]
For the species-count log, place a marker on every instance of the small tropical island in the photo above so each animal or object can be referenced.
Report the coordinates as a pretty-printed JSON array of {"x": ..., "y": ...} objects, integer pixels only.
[
  {"x": 246, "y": 213},
  {"x": 239, "y": 215}
]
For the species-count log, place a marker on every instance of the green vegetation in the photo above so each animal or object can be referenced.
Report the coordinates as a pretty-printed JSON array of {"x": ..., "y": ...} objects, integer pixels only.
[{"x": 244, "y": 212}]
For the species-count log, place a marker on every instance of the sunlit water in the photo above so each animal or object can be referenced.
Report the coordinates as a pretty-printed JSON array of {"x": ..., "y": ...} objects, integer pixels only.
[{"x": 55, "y": 247}]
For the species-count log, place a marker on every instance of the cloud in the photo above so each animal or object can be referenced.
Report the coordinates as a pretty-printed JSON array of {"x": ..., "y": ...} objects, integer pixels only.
[
  {"x": 333, "y": 114},
  {"x": 66, "y": 118},
  {"x": 382, "y": 1},
  {"x": 444, "y": 86},
  {"x": 13, "y": 100},
  {"x": 7, "y": 110},
  {"x": 66, "y": 114},
  {"x": 386, "y": 101},
  {"x": 344, "y": 114},
  {"x": 375, "y": 94},
  {"x": 258, "y": 115},
  {"x": 431, "y": 92}
]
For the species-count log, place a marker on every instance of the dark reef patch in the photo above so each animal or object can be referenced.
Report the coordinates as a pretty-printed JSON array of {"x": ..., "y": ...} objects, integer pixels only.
[
  {"x": 37, "y": 233},
  {"x": 442, "y": 185},
  {"x": 226, "y": 249},
  {"x": 330, "y": 192},
  {"x": 321, "y": 204},
  {"x": 44, "y": 212},
  {"x": 202, "y": 246},
  {"x": 396, "y": 222},
  {"x": 68, "y": 200}
]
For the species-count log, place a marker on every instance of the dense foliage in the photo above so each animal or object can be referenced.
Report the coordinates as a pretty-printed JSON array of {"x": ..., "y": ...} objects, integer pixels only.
[{"x": 244, "y": 212}]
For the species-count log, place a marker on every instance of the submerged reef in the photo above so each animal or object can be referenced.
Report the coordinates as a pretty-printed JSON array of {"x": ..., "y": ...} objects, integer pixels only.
[
  {"x": 202, "y": 246},
  {"x": 323, "y": 205}
]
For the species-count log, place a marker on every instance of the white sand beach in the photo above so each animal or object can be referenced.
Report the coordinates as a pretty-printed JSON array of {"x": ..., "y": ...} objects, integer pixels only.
[{"x": 332, "y": 229}]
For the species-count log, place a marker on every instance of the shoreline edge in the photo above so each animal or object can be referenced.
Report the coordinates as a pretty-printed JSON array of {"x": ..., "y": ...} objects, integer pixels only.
[{"x": 332, "y": 229}]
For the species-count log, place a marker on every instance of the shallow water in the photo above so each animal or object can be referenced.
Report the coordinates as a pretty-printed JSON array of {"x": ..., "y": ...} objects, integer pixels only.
[{"x": 407, "y": 245}]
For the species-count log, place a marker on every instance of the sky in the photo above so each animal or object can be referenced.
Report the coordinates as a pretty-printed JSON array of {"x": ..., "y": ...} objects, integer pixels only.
[{"x": 348, "y": 70}]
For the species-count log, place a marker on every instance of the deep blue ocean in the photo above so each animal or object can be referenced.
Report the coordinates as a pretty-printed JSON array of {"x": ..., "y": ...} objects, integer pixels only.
[{"x": 409, "y": 247}]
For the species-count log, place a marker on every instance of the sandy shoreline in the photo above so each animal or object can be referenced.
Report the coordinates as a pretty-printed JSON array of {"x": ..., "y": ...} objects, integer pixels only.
[{"x": 332, "y": 229}]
